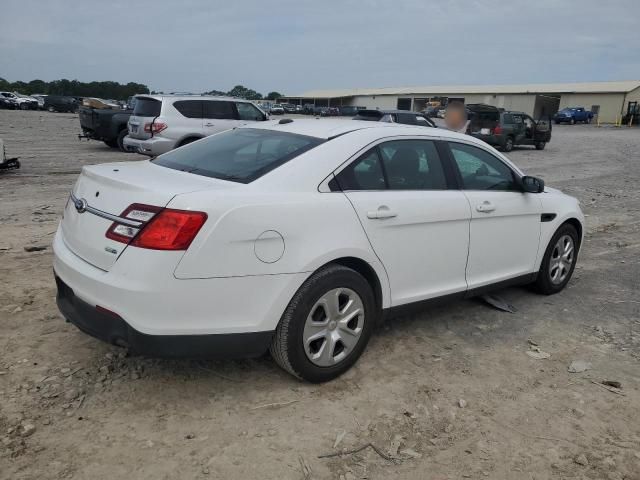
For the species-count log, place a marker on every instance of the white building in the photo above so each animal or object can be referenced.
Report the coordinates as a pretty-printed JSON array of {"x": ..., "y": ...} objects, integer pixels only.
[{"x": 609, "y": 100}]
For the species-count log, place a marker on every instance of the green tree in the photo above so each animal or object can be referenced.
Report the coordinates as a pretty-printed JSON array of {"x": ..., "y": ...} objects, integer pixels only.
[{"x": 274, "y": 95}]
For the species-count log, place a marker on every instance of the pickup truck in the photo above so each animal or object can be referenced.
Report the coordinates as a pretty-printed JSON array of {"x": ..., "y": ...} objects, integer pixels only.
[
  {"x": 108, "y": 125},
  {"x": 572, "y": 115}
]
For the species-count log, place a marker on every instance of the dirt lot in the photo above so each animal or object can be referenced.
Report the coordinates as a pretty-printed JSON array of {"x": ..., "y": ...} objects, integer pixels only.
[{"x": 450, "y": 393}]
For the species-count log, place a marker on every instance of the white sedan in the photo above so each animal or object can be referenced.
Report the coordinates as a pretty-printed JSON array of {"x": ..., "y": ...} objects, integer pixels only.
[{"x": 297, "y": 236}]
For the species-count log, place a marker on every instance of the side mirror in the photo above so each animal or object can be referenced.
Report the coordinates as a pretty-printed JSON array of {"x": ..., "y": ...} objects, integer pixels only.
[{"x": 532, "y": 184}]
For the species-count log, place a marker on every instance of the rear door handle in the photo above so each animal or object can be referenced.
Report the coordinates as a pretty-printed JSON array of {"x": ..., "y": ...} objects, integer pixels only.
[
  {"x": 382, "y": 212},
  {"x": 486, "y": 207}
]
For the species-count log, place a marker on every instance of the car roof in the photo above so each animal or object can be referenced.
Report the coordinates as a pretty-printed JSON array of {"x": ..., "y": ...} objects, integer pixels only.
[
  {"x": 331, "y": 128},
  {"x": 190, "y": 97}
]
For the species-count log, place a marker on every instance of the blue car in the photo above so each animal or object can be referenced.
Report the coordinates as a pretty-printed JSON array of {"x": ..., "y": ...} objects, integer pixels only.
[{"x": 572, "y": 115}]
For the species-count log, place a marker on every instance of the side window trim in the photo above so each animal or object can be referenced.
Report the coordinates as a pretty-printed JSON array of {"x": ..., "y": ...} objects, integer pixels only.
[{"x": 514, "y": 173}]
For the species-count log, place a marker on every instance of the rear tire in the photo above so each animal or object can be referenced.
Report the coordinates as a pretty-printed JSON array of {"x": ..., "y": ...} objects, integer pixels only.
[
  {"x": 120, "y": 140},
  {"x": 540, "y": 145},
  {"x": 326, "y": 326},
  {"x": 508, "y": 144},
  {"x": 558, "y": 263}
]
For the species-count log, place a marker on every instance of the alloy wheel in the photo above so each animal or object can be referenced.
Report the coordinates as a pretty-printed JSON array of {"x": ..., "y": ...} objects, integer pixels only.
[
  {"x": 333, "y": 327},
  {"x": 561, "y": 259}
]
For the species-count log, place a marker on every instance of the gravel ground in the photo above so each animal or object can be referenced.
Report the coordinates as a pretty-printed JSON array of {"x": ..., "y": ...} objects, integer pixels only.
[{"x": 450, "y": 393}]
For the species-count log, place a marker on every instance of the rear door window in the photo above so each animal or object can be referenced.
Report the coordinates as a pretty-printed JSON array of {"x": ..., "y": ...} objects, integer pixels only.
[
  {"x": 219, "y": 109},
  {"x": 412, "y": 165},
  {"x": 189, "y": 108},
  {"x": 508, "y": 118},
  {"x": 363, "y": 174},
  {"x": 147, "y": 107}
]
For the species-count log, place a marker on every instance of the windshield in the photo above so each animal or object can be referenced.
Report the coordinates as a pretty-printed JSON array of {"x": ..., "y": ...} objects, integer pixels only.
[{"x": 240, "y": 155}]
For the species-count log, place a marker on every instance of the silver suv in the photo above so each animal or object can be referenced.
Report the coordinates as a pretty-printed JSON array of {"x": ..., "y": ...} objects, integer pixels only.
[{"x": 160, "y": 123}]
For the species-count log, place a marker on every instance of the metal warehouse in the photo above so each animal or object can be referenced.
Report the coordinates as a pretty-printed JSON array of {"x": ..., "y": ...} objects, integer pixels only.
[{"x": 609, "y": 101}]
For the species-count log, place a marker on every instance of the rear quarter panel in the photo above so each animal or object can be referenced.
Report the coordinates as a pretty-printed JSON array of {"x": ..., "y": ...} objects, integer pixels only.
[{"x": 316, "y": 228}]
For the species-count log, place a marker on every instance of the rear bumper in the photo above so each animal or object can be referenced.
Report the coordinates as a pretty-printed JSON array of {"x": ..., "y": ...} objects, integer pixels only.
[
  {"x": 152, "y": 146},
  {"x": 490, "y": 139},
  {"x": 142, "y": 291},
  {"x": 111, "y": 328}
]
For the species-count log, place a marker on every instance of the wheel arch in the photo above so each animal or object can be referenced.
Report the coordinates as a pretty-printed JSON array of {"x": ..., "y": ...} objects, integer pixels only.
[
  {"x": 575, "y": 223},
  {"x": 367, "y": 271}
]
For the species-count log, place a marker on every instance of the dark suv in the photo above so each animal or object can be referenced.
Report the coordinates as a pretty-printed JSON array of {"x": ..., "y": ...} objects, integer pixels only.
[
  {"x": 395, "y": 116},
  {"x": 505, "y": 129}
]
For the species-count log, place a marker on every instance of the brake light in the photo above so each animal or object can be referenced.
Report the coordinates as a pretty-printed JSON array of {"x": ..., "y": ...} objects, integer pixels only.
[
  {"x": 170, "y": 230},
  {"x": 155, "y": 127},
  {"x": 160, "y": 229},
  {"x": 497, "y": 130}
]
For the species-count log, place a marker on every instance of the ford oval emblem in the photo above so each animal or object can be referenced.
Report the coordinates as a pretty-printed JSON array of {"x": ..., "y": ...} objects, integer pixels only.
[{"x": 81, "y": 205}]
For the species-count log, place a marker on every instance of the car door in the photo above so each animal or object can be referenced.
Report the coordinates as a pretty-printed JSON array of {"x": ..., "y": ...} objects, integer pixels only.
[
  {"x": 518, "y": 129},
  {"x": 505, "y": 221},
  {"x": 190, "y": 125},
  {"x": 219, "y": 115},
  {"x": 417, "y": 224}
]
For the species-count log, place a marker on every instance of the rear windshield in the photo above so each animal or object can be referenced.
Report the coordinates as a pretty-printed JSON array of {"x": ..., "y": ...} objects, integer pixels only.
[
  {"x": 147, "y": 107},
  {"x": 241, "y": 155}
]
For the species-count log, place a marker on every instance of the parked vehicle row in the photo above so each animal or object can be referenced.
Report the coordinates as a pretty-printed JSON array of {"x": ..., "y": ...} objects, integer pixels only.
[
  {"x": 16, "y": 101},
  {"x": 297, "y": 236}
]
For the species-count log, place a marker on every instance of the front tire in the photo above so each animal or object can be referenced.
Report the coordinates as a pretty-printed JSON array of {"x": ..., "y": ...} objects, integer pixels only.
[
  {"x": 540, "y": 145},
  {"x": 572, "y": 121},
  {"x": 559, "y": 261},
  {"x": 326, "y": 326},
  {"x": 508, "y": 144}
]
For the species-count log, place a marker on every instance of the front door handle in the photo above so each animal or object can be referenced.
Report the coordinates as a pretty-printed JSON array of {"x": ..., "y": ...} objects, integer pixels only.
[
  {"x": 382, "y": 212},
  {"x": 486, "y": 207},
  {"x": 209, "y": 124}
]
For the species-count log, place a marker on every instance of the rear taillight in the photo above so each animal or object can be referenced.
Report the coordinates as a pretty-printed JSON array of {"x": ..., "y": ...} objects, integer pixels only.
[
  {"x": 497, "y": 130},
  {"x": 170, "y": 230},
  {"x": 155, "y": 127},
  {"x": 160, "y": 229}
]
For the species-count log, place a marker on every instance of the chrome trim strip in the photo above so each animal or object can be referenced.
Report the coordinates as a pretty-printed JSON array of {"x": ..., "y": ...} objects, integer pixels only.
[{"x": 114, "y": 218}]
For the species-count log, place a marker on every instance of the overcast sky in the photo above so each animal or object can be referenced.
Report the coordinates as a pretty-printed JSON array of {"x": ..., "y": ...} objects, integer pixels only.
[{"x": 294, "y": 45}]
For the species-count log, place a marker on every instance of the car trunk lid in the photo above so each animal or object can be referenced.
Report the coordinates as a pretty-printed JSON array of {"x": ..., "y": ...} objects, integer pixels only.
[
  {"x": 146, "y": 111},
  {"x": 103, "y": 192}
]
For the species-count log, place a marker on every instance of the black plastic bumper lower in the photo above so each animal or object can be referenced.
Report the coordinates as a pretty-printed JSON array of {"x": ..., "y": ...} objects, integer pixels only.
[{"x": 111, "y": 328}]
